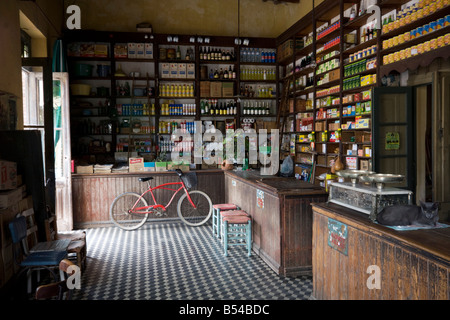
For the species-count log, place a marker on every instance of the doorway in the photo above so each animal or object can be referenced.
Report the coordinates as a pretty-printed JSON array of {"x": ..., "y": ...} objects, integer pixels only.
[
  {"x": 424, "y": 140},
  {"x": 46, "y": 109}
]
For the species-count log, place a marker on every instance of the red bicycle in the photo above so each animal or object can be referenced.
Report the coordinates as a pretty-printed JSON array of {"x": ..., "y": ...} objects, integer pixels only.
[{"x": 130, "y": 210}]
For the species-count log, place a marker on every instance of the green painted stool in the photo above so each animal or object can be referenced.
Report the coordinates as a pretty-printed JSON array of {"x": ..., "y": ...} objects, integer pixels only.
[
  {"x": 237, "y": 231},
  {"x": 217, "y": 208}
]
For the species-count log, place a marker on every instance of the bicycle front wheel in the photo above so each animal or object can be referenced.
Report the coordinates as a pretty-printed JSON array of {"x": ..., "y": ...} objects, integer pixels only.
[
  {"x": 198, "y": 215},
  {"x": 120, "y": 211}
]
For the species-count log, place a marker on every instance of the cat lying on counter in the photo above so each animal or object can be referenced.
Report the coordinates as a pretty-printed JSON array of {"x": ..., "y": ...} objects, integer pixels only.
[{"x": 406, "y": 215}]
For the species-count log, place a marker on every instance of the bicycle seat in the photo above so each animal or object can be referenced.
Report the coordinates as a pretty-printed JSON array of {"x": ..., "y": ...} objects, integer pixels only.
[{"x": 145, "y": 179}]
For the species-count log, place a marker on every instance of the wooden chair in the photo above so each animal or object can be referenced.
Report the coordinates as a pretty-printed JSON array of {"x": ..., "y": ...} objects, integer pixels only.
[
  {"x": 57, "y": 290},
  {"x": 77, "y": 248},
  {"x": 28, "y": 260}
]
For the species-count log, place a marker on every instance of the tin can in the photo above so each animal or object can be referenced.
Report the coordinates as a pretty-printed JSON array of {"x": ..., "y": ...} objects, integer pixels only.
[
  {"x": 407, "y": 36},
  {"x": 419, "y": 31},
  {"x": 408, "y": 52},
  {"x": 447, "y": 39},
  {"x": 433, "y": 44},
  {"x": 433, "y": 26},
  {"x": 432, "y": 7},
  {"x": 420, "y": 14},
  {"x": 407, "y": 19},
  {"x": 396, "y": 56},
  {"x": 420, "y": 48},
  {"x": 395, "y": 41},
  {"x": 396, "y": 24},
  {"x": 390, "y": 42}
]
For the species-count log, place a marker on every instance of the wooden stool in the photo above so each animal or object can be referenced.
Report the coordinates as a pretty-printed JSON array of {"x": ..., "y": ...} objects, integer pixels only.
[
  {"x": 77, "y": 247},
  {"x": 228, "y": 213},
  {"x": 217, "y": 208},
  {"x": 237, "y": 231}
]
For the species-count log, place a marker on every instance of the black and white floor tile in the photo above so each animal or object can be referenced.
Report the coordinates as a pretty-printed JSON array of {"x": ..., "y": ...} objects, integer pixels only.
[{"x": 172, "y": 261}]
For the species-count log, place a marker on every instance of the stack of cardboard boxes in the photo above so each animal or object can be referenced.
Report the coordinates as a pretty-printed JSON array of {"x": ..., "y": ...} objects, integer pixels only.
[{"x": 13, "y": 200}]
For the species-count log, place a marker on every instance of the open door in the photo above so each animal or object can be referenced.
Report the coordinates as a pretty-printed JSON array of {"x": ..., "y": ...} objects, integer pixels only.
[
  {"x": 63, "y": 178},
  {"x": 46, "y": 108},
  {"x": 441, "y": 146},
  {"x": 393, "y": 134}
]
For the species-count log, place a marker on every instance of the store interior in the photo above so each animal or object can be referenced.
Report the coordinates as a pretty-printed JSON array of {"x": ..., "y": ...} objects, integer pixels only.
[{"x": 93, "y": 93}]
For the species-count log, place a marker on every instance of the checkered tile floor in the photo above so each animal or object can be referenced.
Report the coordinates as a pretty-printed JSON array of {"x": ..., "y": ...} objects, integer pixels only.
[{"x": 172, "y": 261}]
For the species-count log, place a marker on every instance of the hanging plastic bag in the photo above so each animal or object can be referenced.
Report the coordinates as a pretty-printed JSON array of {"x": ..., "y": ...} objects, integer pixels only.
[{"x": 287, "y": 167}]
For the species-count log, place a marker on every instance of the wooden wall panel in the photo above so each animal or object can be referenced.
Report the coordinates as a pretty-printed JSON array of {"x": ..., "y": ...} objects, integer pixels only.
[
  {"x": 92, "y": 195},
  {"x": 407, "y": 272},
  {"x": 282, "y": 230}
]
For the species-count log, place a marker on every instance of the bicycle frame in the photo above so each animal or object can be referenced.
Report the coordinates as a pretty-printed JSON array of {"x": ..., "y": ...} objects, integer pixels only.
[{"x": 145, "y": 209}]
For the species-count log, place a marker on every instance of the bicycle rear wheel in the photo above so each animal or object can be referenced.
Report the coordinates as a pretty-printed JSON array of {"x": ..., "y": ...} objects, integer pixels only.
[
  {"x": 120, "y": 211},
  {"x": 195, "y": 216}
]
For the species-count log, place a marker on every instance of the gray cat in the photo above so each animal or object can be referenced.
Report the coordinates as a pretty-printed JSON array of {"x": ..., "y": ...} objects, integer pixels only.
[{"x": 405, "y": 215}]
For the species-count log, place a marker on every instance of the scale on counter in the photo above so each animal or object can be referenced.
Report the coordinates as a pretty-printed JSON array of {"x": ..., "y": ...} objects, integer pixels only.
[{"x": 370, "y": 195}]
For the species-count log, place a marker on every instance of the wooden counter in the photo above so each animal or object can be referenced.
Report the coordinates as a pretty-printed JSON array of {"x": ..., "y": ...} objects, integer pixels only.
[
  {"x": 412, "y": 264},
  {"x": 281, "y": 216},
  {"x": 93, "y": 193}
]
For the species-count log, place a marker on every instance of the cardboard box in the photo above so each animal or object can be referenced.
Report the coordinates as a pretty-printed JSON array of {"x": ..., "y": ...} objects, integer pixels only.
[
  {"x": 160, "y": 166},
  {"x": 300, "y": 105},
  {"x": 215, "y": 89},
  {"x": 140, "y": 51},
  {"x": 131, "y": 50},
  {"x": 8, "y": 175},
  {"x": 204, "y": 88},
  {"x": 87, "y": 50},
  {"x": 10, "y": 197},
  {"x": 334, "y": 75},
  {"x": 85, "y": 169},
  {"x": 6, "y": 216},
  {"x": 7, "y": 264},
  {"x": 26, "y": 203},
  {"x": 120, "y": 51},
  {"x": 190, "y": 71},
  {"x": 351, "y": 163},
  {"x": 182, "y": 70},
  {"x": 165, "y": 70},
  {"x": 136, "y": 164},
  {"x": 101, "y": 50},
  {"x": 149, "y": 166},
  {"x": 227, "y": 89},
  {"x": 173, "y": 70},
  {"x": 364, "y": 165},
  {"x": 148, "y": 50}
]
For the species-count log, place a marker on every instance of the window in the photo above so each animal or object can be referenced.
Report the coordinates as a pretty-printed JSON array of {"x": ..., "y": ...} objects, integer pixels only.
[
  {"x": 33, "y": 101},
  {"x": 25, "y": 40}
]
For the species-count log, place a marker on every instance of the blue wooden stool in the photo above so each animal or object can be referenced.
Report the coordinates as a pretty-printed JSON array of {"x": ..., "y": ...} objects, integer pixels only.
[
  {"x": 228, "y": 213},
  {"x": 217, "y": 208},
  {"x": 237, "y": 231}
]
